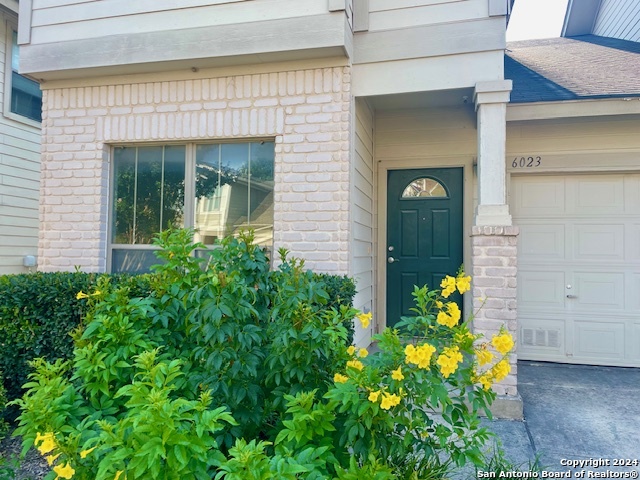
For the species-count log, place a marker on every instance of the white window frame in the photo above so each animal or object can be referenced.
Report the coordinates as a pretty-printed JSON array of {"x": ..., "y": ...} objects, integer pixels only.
[
  {"x": 10, "y": 27},
  {"x": 189, "y": 188}
]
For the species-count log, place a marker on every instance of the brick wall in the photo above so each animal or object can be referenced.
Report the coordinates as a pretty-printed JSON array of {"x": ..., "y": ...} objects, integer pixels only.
[
  {"x": 494, "y": 259},
  {"x": 307, "y": 112}
]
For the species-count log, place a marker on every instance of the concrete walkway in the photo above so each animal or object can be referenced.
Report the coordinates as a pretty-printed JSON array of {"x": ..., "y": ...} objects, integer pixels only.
[{"x": 574, "y": 413}]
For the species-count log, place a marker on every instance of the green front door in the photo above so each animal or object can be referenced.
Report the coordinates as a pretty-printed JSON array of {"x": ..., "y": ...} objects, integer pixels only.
[{"x": 424, "y": 233}]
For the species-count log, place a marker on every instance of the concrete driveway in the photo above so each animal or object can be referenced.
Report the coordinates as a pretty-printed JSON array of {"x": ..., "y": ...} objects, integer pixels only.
[{"x": 574, "y": 413}]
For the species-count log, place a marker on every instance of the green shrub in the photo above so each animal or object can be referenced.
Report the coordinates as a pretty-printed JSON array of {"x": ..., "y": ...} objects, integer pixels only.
[
  {"x": 340, "y": 291},
  {"x": 234, "y": 371},
  {"x": 37, "y": 313},
  {"x": 3, "y": 405},
  {"x": 39, "y": 310}
]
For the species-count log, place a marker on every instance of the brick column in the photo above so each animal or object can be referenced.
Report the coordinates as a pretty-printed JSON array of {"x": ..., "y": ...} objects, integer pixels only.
[{"x": 494, "y": 259}]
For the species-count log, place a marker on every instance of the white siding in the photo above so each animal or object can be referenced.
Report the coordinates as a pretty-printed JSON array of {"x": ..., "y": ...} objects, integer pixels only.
[
  {"x": 590, "y": 135},
  {"x": 393, "y": 14},
  {"x": 422, "y": 45},
  {"x": 618, "y": 19},
  {"x": 19, "y": 182},
  {"x": 57, "y": 21},
  {"x": 424, "y": 133},
  {"x": 362, "y": 216}
]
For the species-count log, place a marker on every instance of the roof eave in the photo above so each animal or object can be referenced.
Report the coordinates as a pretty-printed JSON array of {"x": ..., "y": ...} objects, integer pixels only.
[{"x": 589, "y": 107}]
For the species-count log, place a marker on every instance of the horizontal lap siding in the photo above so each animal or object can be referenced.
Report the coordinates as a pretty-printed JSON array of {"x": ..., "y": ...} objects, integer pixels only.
[
  {"x": 19, "y": 183},
  {"x": 423, "y": 133},
  {"x": 392, "y": 14},
  {"x": 94, "y": 19},
  {"x": 595, "y": 134},
  {"x": 362, "y": 216}
]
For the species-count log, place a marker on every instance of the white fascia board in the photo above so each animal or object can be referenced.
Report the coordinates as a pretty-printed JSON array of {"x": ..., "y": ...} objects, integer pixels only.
[
  {"x": 427, "y": 74},
  {"x": 573, "y": 108}
]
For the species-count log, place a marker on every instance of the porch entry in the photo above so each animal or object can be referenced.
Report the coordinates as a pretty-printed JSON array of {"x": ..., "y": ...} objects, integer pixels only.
[{"x": 424, "y": 232}]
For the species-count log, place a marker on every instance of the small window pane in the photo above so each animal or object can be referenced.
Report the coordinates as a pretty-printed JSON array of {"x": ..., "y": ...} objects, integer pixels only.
[
  {"x": 148, "y": 192},
  {"x": 26, "y": 96},
  {"x": 124, "y": 173},
  {"x": 133, "y": 260},
  {"x": 234, "y": 191},
  {"x": 424, "y": 187}
]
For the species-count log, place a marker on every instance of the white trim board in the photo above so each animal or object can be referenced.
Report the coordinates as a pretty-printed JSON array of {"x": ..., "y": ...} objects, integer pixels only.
[{"x": 573, "y": 108}]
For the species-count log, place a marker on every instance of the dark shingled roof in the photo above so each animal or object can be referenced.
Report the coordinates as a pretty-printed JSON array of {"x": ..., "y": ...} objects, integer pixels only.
[{"x": 583, "y": 67}]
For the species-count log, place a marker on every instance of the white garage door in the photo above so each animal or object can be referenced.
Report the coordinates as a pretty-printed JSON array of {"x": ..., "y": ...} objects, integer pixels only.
[{"x": 578, "y": 268}]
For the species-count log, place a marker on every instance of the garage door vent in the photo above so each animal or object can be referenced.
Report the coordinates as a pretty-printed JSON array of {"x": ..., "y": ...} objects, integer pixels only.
[{"x": 540, "y": 338}]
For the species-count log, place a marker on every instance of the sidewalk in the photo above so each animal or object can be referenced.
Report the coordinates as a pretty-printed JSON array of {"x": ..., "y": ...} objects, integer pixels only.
[{"x": 574, "y": 412}]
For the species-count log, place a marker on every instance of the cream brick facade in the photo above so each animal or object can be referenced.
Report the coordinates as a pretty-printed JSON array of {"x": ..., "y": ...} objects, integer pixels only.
[
  {"x": 307, "y": 112},
  {"x": 494, "y": 289}
]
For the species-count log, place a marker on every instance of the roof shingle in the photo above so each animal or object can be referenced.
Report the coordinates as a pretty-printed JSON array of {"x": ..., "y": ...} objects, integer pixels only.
[{"x": 584, "y": 67}]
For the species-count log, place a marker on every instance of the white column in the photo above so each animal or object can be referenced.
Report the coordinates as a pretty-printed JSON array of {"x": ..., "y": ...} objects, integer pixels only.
[{"x": 491, "y": 100}]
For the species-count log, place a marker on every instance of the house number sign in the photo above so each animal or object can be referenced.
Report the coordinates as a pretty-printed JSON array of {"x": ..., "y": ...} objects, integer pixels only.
[{"x": 526, "y": 162}]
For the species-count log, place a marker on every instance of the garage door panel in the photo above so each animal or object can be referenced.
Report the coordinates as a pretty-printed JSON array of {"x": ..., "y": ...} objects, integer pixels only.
[
  {"x": 539, "y": 198},
  {"x": 593, "y": 194},
  {"x": 599, "y": 291},
  {"x": 585, "y": 229},
  {"x": 603, "y": 340},
  {"x": 634, "y": 243},
  {"x": 633, "y": 342},
  {"x": 598, "y": 242},
  {"x": 632, "y": 194},
  {"x": 541, "y": 289},
  {"x": 542, "y": 242},
  {"x": 634, "y": 293},
  {"x": 541, "y": 335}
]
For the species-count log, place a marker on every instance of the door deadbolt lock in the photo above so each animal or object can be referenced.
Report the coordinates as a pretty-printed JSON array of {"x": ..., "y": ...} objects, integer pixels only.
[{"x": 390, "y": 248}]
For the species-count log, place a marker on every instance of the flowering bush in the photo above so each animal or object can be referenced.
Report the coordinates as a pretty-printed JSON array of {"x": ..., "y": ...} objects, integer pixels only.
[{"x": 232, "y": 371}]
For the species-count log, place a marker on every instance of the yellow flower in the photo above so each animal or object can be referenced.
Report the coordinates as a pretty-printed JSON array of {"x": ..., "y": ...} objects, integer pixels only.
[
  {"x": 484, "y": 356},
  {"x": 363, "y": 353},
  {"x": 47, "y": 442},
  {"x": 357, "y": 364},
  {"x": 420, "y": 356},
  {"x": 64, "y": 471},
  {"x": 351, "y": 350},
  {"x": 365, "y": 319},
  {"x": 503, "y": 343},
  {"x": 397, "y": 374},
  {"x": 339, "y": 378},
  {"x": 454, "y": 311},
  {"x": 118, "y": 473},
  {"x": 448, "y": 361},
  {"x": 84, "y": 453},
  {"x": 96, "y": 293},
  {"x": 81, "y": 295},
  {"x": 463, "y": 283},
  {"x": 500, "y": 370},
  {"x": 444, "y": 319},
  {"x": 389, "y": 400},
  {"x": 373, "y": 396},
  {"x": 485, "y": 380},
  {"x": 448, "y": 286},
  {"x": 51, "y": 458},
  {"x": 439, "y": 304}
]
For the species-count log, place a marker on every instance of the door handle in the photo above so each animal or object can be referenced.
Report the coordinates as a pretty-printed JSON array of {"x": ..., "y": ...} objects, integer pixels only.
[
  {"x": 572, "y": 296},
  {"x": 391, "y": 260}
]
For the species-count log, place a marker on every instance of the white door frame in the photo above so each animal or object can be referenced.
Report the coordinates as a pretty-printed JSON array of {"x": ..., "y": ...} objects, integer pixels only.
[{"x": 469, "y": 200}]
